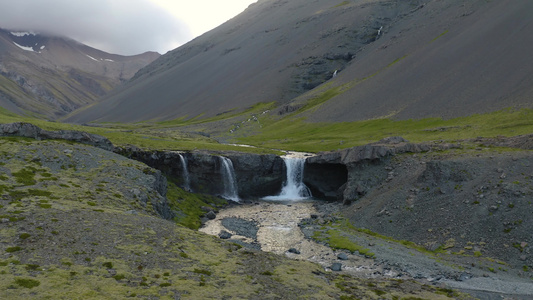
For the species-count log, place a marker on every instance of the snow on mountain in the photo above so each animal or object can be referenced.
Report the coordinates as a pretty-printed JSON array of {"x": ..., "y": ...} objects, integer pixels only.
[
  {"x": 22, "y": 33},
  {"x": 25, "y": 48}
]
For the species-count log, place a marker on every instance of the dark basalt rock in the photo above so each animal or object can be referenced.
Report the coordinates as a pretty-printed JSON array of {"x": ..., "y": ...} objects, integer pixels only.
[
  {"x": 224, "y": 235},
  {"x": 336, "y": 267},
  {"x": 211, "y": 215},
  {"x": 337, "y": 174},
  {"x": 241, "y": 227},
  {"x": 28, "y": 130},
  {"x": 257, "y": 175},
  {"x": 294, "y": 250},
  {"x": 342, "y": 256}
]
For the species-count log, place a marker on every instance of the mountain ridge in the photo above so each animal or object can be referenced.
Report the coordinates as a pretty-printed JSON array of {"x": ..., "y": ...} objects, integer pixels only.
[{"x": 50, "y": 76}]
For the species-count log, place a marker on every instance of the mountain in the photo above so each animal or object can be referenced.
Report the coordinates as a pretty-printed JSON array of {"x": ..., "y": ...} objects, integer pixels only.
[
  {"x": 357, "y": 60},
  {"x": 51, "y": 76}
]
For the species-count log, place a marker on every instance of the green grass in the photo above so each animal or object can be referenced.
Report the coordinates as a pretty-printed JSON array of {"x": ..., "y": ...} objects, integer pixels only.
[
  {"x": 300, "y": 135},
  {"x": 189, "y": 205},
  {"x": 25, "y": 176},
  {"x": 27, "y": 282},
  {"x": 440, "y": 35},
  {"x": 257, "y": 108},
  {"x": 293, "y": 131},
  {"x": 337, "y": 240},
  {"x": 13, "y": 249},
  {"x": 156, "y": 136}
]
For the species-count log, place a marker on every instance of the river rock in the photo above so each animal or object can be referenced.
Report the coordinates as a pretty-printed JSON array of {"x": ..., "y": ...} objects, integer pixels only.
[
  {"x": 224, "y": 235},
  {"x": 342, "y": 256},
  {"x": 294, "y": 250},
  {"x": 336, "y": 267},
  {"x": 211, "y": 215}
]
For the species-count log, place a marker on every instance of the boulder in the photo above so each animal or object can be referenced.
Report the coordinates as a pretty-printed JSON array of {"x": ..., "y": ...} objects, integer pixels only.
[
  {"x": 336, "y": 267},
  {"x": 211, "y": 215},
  {"x": 294, "y": 250},
  {"x": 224, "y": 235},
  {"x": 342, "y": 256}
]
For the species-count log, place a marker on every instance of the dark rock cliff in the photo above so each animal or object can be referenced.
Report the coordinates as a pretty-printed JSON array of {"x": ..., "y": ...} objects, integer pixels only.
[
  {"x": 256, "y": 175},
  {"x": 340, "y": 173}
]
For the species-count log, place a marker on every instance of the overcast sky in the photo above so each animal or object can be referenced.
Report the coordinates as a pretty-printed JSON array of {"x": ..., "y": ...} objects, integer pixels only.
[{"x": 121, "y": 26}]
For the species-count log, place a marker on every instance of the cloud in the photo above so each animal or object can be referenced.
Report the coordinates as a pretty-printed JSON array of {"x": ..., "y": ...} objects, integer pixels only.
[{"x": 117, "y": 26}]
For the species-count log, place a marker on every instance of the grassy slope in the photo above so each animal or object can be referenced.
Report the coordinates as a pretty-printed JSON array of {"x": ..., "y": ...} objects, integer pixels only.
[
  {"x": 160, "y": 136},
  {"x": 68, "y": 234},
  {"x": 293, "y": 132},
  {"x": 298, "y": 134}
]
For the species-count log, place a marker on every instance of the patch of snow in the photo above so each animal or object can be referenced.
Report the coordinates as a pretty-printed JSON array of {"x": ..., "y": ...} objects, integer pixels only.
[
  {"x": 91, "y": 57},
  {"x": 22, "y": 33},
  {"x": 24, "y": 48},
  {"x": 110, "y": 60},
  {"x": 42, "y": 47}
]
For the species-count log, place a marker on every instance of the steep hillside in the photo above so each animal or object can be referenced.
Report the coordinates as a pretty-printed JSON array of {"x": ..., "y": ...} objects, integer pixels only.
[
  {"x": 402, "y": 59},
  {"x": 52, "y": 76}
]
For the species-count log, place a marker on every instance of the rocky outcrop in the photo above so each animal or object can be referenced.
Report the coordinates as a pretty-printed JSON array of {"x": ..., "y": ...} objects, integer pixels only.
[
  {"x": 28, "y": 130},
  {"x": 520, "y": 142},
  {"x": 353, "y": 160}
]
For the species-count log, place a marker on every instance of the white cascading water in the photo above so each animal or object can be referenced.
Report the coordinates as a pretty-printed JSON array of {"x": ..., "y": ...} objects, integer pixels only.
[
  {"x": 294, "y": 188},
  {"x": 230, "y": 183},
  {"x": 186, "y": 178}
]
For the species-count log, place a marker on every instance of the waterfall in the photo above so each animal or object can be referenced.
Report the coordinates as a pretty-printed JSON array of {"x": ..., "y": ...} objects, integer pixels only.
[
  {"x": 186, "y": 178},
  {"x": 230, "y": 183},
  {"x": 294, "y": 188}
]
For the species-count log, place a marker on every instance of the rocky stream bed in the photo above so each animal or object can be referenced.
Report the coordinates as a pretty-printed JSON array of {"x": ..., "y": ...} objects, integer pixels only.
[{"x": 288, "y": 228}]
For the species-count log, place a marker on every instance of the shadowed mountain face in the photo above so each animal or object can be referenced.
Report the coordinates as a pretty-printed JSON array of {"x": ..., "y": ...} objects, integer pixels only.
[
  {"x": 52, "y": 76},
  {"x": 403, "y": 59}
]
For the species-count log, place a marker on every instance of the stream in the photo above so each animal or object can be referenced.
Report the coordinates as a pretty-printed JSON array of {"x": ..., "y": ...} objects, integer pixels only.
[{"x": 278, "y": 232}]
